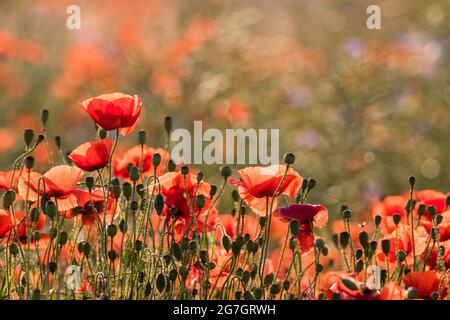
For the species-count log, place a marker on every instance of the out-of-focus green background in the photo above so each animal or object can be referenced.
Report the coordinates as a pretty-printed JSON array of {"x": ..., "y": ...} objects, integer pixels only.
[{"x": 362, "y": 109}]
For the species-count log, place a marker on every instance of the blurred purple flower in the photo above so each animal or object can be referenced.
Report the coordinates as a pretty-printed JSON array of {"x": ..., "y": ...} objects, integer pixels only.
[{"x": 308, "y": 139}]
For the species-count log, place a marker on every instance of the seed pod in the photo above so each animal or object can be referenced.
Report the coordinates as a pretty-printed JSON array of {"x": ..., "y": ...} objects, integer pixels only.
[
  {"x": 421, "y": 209},
  {"x": 203, "y": 256},
  {"x": 111, "y": 230},
  {"x": 44, "y": 116},
  {"x": 258, "y": 293},
  {"x": 359, "y": 266},
  {"x": 176, "y": 250},
  {"x": 344, "y": 239},
  {"x": 378, "y": 219},
  {"x": 286, "y": 285},
  {"x": 171, "y": 166},
  {"x": 294, "y": 227},
  {"x": 225, "y": 172},
  {"x": 50, "y": 209},
  {"x": 13, "y": 249},
  {"x": 386, "y": 246},
  {"x": 173, "y": 274},
  {"x": 34, "y": 215},
  {"x": 184, "y": 170},
  {"x": 350, "y": 284},
  {"x": 431, "y": 210},
  {"x": 87, "y": 249},
  {"x": 412, "y": 181},
  {"x": 112, "y": 255},
  {"x": 138, "y": 245},
  {"x": 8, "y": 199},
  {"x": 52, "y": 266},
  {"x": 347, "y": 214},
  {"x": 401, "y": 255},
  {"x": 160, "y": 282},
  {"x": 126, "y": 189},
  {"x": 319, "y": 243},
  {"x": 148, "y": 289},
  {"x": 134, "y": 206},
  {"x": 268, "y": 279},
  {"x": 29, "y": 162},
  {"x": 226, "y": 243},
  {"x": 142, "y": 137},
  {"x": 134, "y": 173},
  {"x": 212, "y": 191},
  {"x": 62, "y": 238},
  {"x": 156, "y": 160},
  {"x": 396, "y": 218},
  {"x": 275, "y": 289},
  {"x": 200, "y": 176},
  {"x": 363, "y": 238},
  {"x": 28, "y": 136},
  {"x": 168, "y": 124},
  {"x": 183, "y": 271},
  {"x": 235, "y": 249},
  {"x": 289, "y": 158},
  {"x": 319, "y": 268},
  {"x": 438, "y": 219},
  {"x": 123, "y": 227},
  {"x": 359, "y": 253},
  {"x": 262, "y": 222},
  {"x": 90, "y": 182},
  {"x": 200, "y": 201},
  {"x": 248, "y": 295},
  {"x": 238, "y": 295},
  {"x": 235, "y": 195},
  {"x": 311, "y": 184}
]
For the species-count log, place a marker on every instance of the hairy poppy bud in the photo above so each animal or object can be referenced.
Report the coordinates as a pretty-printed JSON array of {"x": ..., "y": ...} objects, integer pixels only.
[
  {"x": 168, "y": 124},
  {"x": 176, "y": 250},
  {"x": 235, "y": 195},
  {"x": 29, "y": 162},
  {"x": 438, "y": 219},
  {"x": 111, "y": 230},
  {"x": 401, "y": 255},
  {"x": 161, "y": 282},
  {"x": 52, "y": 266},
  {"x": 262, "y": 222},
  {"x": 28, "y": 136},
  {"x": 373, "y": 245},
  {"x": 289, "y": 158},
  {"x": 39, "y": 138},
  {"x": 359, "y": 266},
  {"x": 235, "y": 248},
  {"x": 123, "y": 227},
  {"x": 412, "y": 181},
  {"x": 134, "y": 174},
  {"x": 127, "y": 190},
  {"x": 347, "y": 214},
  {"x": 319, "y": 243},
  {"x": 248, "y": 295},
  {"x": 396, "y": 218},
  {"x": 378, "y": 219},
  {"x": 200, "y": 176},
  {"x": 358, "y": 253},
  {"x": 44, "y": 116},
  {"x": 363, "y": 238},
  {"x": 102, "y": 134},
  {"x": 34, "y": 214},
  {"x": 36, "y": 236},
  {"x": 50, "y": 209},
  {"x": 171, "y": 166},
  {"x": 90, "y": 182},
  {"x": 62, "y": 238},
  {"x": 225, "y": 171},
  {"x": 304, "y": 184},
  {"x": 212, "y": 191},
  {"x": 294, "y": 227},
  {"x": 325, "y": 251},
  {"x": 411, "y": 293},
  {"x": 431, "y": 210},
  {"x": 142, "y": 137},
  {"x": 200, "y": 201},
  {"x": 193, "y": 245},
  {"x": 344, "y": 239},
  {"x": 156, "y": 160},
  {"x": 112, "y": 255},
  {"x": 159, "y": 204},
  {"x": 36, "y": 295},
  {"x": 13, "y": 249},
  {"x": 311, "y": 184},
  {"x": 8, "y": 199},
  {"x": 319, "y": 268},
  {"x": 434, "y": 296},
  {"x": 134, "y": 206},
  {"x": 350, "y": 284},
  {"x": 184, "y": 170},
  {"x": 87, "y": 249},
  {"x": 58, "y": 142},
  {"x": 138, "y": 245},
  {"x": 275, "y": 289}
]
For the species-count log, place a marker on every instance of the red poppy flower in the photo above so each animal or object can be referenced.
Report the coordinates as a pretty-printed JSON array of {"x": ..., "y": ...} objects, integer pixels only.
[
  {"x": 114, "y": 111},
  {"x": 309, "y": 215},
  {"x": 140, "y": 156},
  {"x": 391, "y": 291},
  {"x": 257, "y": 183},
  {"x": 5, "y": 223},
  {"x": 59, "y": 183},
  {"x": 404, "y": 243},
  {"x": 425, "y": 282},
  {"x": 21, "y": 224},
  {"x": 91, "y": 156},
  {"x": 387, "y": 208},
  {"x": 91, "y": 206},
  {"x": 5, "y": 179}
]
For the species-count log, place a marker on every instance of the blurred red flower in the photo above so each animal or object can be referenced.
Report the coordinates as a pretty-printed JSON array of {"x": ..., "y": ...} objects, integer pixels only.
[
  {"x": 425, "y": 282},
  {"x": 91, "y": 206}
]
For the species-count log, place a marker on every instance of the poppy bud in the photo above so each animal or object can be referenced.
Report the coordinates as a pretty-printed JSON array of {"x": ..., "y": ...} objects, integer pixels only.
[
  {"x": 441, "y": 250},
  {"x": 294, "y": 227},
  {"x": 249, "y": 245},
  {"x": 193, "y": 245},
  {"x": 50, "y": 209},
  {"x": 159, "y": 204},
  {"x": 116, "y": 191},
  {"x": 184, "y": 170},
  {"x": 111, "y": 230},
  {"x": 325, "y": 251},
  {"x": 373, "y": 245},
  {"x": 8, "y": 199},
  {"x": 359, "y": 266},
  {"x": 156, "y": 160},
  {"x": 431, "y": 210},
  {"x": 350, "y": 284},
  {"x": 173, "y": 275},
  {"x": 36, "y": 236},
  {"x": 87, "y": 249},
  {"x": 358, "y": 253},
  {"x": 344, "y": 239},
  {"x": 411, "y": 293},
  {"x": 335, "y": 296},
  {"x": 363, "y": 238},
  {"x": 235, "y": 195},
  {"x": 171, "y": 166},
  {"x": 386, "y": 246},
  {"x": 407, "y": 270},
  {"x": 347, "y": 214},
  {"x": 28, "y": 136},
  {"x": 138, "y": 245},
  {"x": 123, "y": 227},
  {"x": 319, "y": 268},
  {"x": 248, "y": 295},
  {"x": 262, "y": 222},
  {"x": 39, "y": 138},
  {"x": 235, "y": 248},
  {"x": 44, "y": 116},
  {"x": 225, "y": 171},
  {"x": 401, "y": 255},
  {"x": 142, "y": 137},
  {"x": 438, "y": 219},
  {"x": 29, "y": 162},
  {"x": 90, "y": 182},
  {"x": 311, "y": 184},
  {"x": 36, "y": 295},
  {"x": 412, "y": 181},
  {"x": 34, "y": 214},
  {"x": 268, "y": 279},
  {"x": 52, "y": 266},
  {"x": 168, "y": 124},
  {"x": 289, "y": 158},
  {"x": 161, "y": 282},
  {"x": 396, "y": 218},
  {"x": 13, "y": 249},
  {"x": 62, "y": 238},
  {"x": 319, "y": 243},
  {"x": 212, "y": 191},
  {"x": 53, "y": 232},
  {"x": 58, "y": 142},
  {"x": 112, "y": 255},
  {"x": 434, "y": 296},
  {"x": 200, "y": 176},
  {"x": 134, "y": 206},
  {"x": 200, "y": 201},
  {"x": 293, "y": 243},
  {"x": 275, "y": 289},
  {"x": 378, "y": 219},
  {"x": 134, "y": 174},
  {"x": 102, "y": 134},
  {"x": 304, "y": 184},
  {"x": 126, "y": 188}
]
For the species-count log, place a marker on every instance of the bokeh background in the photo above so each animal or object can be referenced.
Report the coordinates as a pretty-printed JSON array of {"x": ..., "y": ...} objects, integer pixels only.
[{"x": 362, "y": 109}]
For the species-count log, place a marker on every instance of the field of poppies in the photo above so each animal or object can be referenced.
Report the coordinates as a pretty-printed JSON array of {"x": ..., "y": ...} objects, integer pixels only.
[{"x": 95, "y": 208}]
